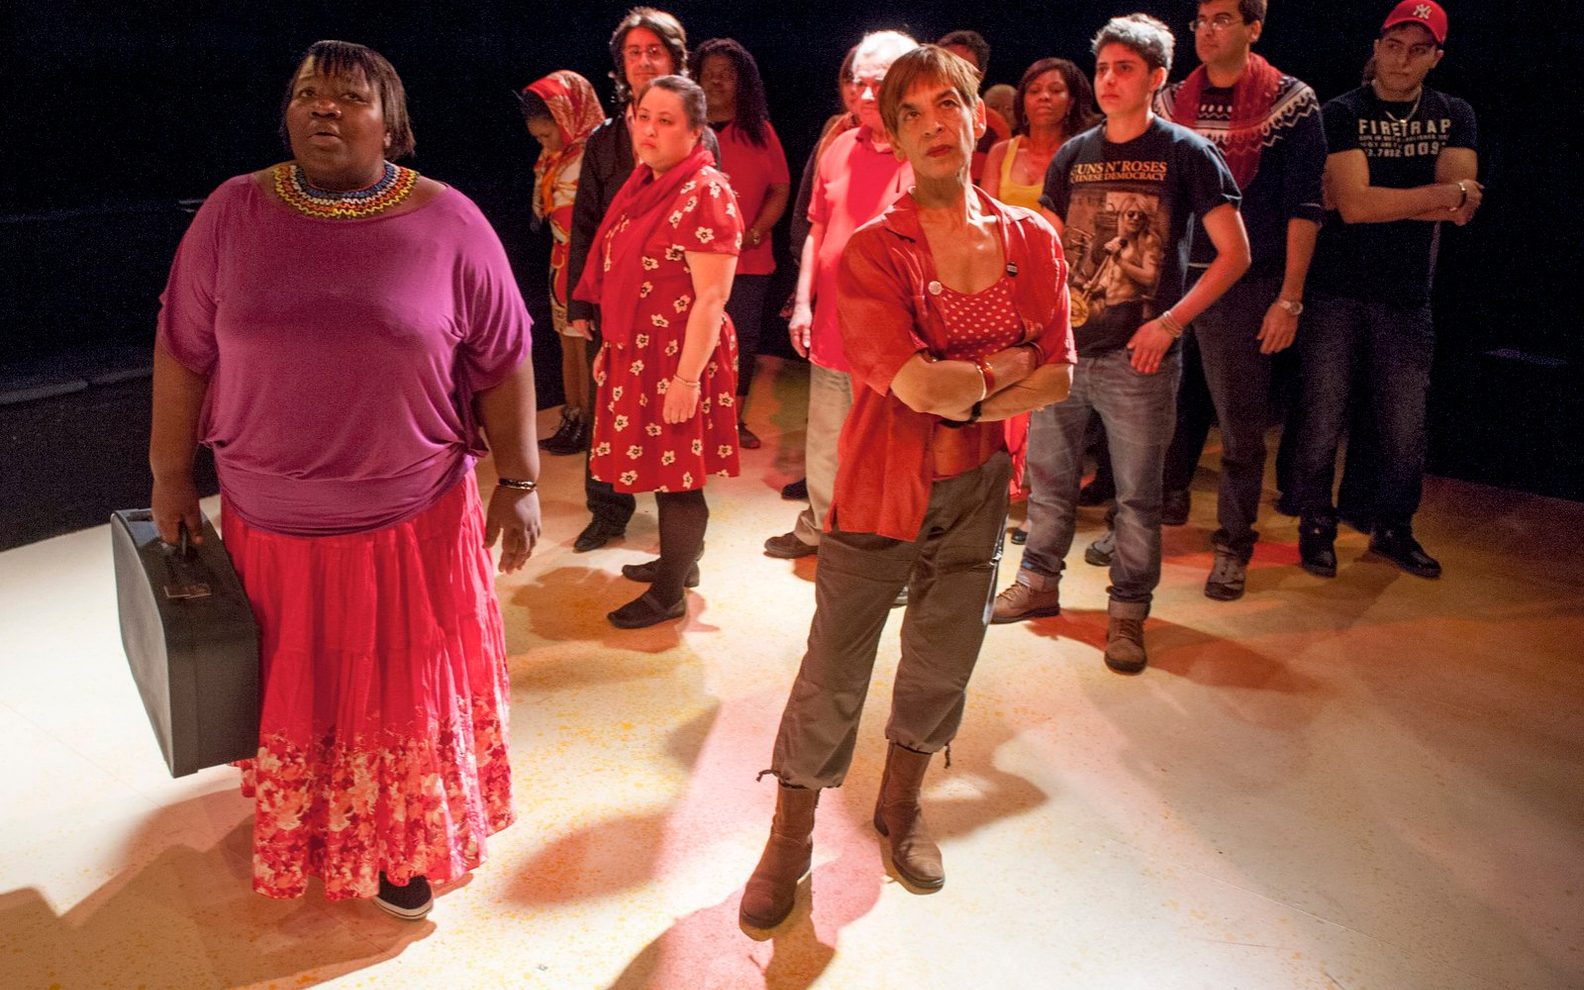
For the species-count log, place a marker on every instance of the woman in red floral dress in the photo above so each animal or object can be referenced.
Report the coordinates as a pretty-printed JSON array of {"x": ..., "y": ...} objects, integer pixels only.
[{"x": 665, "y": 417}]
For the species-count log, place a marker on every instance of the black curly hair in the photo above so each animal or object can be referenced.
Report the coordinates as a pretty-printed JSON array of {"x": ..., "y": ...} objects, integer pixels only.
[{"x": 753, "y": 113}]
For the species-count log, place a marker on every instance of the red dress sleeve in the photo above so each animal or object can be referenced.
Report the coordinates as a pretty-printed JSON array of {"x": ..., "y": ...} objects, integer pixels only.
[{"x": 706, "y": 218}]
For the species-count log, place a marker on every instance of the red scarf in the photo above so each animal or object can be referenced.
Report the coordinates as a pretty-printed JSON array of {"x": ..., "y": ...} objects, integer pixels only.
[
  {"x": 640, "y": 207},
  {"x": 1253, "y": 95},
  {"x": 574, "y": 106}
]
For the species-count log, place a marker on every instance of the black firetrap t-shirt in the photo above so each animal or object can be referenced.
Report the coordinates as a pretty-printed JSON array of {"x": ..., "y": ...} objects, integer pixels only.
[
  {"x": 1387, "y": 262},
  {"x": 1125, "y": 210}
]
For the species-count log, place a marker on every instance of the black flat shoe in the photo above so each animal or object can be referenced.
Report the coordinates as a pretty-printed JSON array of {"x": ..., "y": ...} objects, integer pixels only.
[
  {"x": 409, "y": 903},
  {"x": 1019, "y": 536},
  {"x": 649, "y": 569},
  {"x": 595, "y": 535},
  {"x": 796, "y": 491},
  {"x": 645, "y": 573},
  {"x": 1397, "y": 544},
  {"x": 1317, "y": 547},
  {"x": 646, "y": 611},
  {"x": 746, "y": 438}
]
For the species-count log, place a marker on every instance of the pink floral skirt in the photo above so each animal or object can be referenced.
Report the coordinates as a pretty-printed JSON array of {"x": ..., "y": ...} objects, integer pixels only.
[{"x": 382, "y": 738}]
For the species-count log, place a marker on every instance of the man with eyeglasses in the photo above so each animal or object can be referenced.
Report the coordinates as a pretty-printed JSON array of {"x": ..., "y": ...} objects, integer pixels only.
[
  {"x": 1402, "y": 160},
  {"x": 858, "y": 176},
  {"x": 1267, "y": 127},
  {"x": 646, "y": 45},
  {"x": 1122, "y": 194}
]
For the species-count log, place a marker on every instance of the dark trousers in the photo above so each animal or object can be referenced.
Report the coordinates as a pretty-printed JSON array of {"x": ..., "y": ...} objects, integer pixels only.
[
  {"x": 746, "y": 309},
  {"x": 1227, "y": 380},
  {"x": 1387, "y": 349},
  {"x": 609, "y": 507},
  {"x": 950, "y": 572}
]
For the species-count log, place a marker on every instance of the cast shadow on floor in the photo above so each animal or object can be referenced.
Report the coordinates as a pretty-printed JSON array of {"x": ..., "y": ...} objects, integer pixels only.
[{"x": 184, "y": 916}]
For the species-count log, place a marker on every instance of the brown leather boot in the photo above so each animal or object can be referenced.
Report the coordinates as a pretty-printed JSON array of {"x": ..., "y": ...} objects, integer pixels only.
[
  {"x": 898, "y": 817},
  {"x": 767, "y": 899}
]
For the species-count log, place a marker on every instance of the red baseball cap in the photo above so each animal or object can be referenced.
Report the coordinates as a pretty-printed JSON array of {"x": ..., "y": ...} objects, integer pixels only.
[{"x": 1426, "y": 13}]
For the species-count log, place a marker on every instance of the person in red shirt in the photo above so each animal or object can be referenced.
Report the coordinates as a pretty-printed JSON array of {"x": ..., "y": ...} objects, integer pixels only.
[
  {"x": 954, "y": 317},
  {"x": 752, "y": 159},
  {"x": 858, "y": 178}
]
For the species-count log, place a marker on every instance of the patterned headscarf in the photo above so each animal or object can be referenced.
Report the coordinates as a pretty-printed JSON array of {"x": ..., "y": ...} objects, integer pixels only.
[{"x": 576, "y": 110}]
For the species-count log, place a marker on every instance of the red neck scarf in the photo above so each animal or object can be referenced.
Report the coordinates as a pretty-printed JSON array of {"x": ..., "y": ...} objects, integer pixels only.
[
  {"x": 575, "y": 108},
  {"x": 612, "y": 277},
  {"x": 1253, "y": 95}
]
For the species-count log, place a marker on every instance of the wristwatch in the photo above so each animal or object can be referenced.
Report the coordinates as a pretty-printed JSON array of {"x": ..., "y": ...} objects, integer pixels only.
[{"x": 1293, "y": 306}]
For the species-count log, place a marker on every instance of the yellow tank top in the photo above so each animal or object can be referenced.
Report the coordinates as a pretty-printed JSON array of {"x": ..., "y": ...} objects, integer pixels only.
[{"x": 1012, "y": 192}]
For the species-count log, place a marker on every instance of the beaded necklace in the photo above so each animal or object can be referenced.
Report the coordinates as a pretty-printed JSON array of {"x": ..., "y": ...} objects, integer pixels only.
[{"x": 294, "y": 189}]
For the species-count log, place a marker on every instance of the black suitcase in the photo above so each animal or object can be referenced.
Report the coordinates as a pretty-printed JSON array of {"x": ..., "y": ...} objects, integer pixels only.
[{"x": 191, "y": 640}]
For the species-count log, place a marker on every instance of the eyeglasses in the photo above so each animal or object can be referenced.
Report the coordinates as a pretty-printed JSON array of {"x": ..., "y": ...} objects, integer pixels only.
[
  {"x": 653, "y": 51},
  {"x": 1216, "y": 24}
]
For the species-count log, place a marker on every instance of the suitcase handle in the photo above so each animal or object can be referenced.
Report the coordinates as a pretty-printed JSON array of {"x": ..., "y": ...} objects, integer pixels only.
[{"x": 182, "y": 585}]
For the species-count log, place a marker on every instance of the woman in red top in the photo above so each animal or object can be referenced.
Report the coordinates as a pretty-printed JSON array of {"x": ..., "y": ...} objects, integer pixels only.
[
  {"x": 954, "y": 317},
  {"x": 666, "y": 375},
  {"x": 752, "y": 159}
]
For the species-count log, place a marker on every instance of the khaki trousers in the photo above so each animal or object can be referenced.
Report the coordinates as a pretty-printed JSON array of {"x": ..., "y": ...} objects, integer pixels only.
[{"x": 953, "y": 565}]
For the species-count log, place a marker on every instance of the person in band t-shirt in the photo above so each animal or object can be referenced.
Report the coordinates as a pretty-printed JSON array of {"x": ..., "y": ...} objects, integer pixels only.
[
  {"x": 1122, "y": 194},
  {"x": 1402, "y": 159},
  {"x": 1267, "y": 126}
]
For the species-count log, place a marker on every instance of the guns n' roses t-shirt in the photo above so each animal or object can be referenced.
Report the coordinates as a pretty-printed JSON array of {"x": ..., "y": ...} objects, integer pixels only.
[{"x": 1125, "y": 210}]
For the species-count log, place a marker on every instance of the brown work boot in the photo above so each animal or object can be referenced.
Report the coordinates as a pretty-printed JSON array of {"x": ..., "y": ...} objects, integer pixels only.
[
  {"x": 1124, "y": 651},
  {"x": 1019, "y": 602},
  {"x": 767, "y": 899},
  {"x": 899, "y": 818}
]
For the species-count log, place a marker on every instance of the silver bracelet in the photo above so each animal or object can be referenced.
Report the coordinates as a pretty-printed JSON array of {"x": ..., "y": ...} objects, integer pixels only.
[
  {"x": 1168, "y": 322},
  {"x": 517, "y": 484}
]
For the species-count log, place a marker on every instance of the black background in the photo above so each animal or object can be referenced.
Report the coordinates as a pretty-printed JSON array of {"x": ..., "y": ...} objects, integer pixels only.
[{"x": 114, "y": 112}]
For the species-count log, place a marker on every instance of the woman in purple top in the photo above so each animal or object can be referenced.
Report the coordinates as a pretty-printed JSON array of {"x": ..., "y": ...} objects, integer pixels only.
[{"x": 340, "y": 330}]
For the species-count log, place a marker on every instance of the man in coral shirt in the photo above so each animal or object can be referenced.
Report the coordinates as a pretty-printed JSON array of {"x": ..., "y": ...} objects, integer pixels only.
[
  {"x": 858, "y": 178},
  {"x": 954, "y": 310}
]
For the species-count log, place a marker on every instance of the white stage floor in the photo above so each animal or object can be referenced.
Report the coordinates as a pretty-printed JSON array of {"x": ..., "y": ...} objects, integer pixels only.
[{"x": 1373, "y": 781}]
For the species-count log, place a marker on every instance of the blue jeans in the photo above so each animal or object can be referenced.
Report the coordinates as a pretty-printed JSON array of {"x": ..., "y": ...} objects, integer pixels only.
[
  {"x": 1139, "y": 413},
  {"x": 1348, "y": 343}
]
